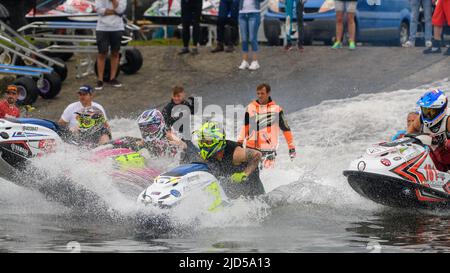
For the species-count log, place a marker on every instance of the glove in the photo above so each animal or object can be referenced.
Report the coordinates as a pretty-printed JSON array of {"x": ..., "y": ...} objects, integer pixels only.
[
  {"x": 239, "y": 177},
  {"x": 292, "y": 153}
]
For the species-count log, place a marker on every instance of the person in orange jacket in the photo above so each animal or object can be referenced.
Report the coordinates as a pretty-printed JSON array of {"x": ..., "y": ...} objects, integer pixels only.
[{"x": 263, "y": 121}]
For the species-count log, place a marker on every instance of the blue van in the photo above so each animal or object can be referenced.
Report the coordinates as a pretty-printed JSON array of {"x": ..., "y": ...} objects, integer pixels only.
[{"x": 376, "y": 20}]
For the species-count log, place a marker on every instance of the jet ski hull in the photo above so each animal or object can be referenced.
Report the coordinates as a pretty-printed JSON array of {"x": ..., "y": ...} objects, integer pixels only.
[{"x": 395, "y": 192}]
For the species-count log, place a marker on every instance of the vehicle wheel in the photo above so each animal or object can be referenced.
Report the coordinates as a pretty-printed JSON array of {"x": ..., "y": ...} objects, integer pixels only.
[
  {"x": 308, "y": 40},
  {"x": 403, "y": 34},
  {"x": 6, "y": 58},
  {"x": 28, "y": 91},
  {"x": 272, "y": 31},
  {"x": 134, "y": 61},
  {"x": 62, "y": 71},
  {"x": 51, "y": 86},
  {"x": 65, "y": 56},
  {"x": 106, "y": 73}
]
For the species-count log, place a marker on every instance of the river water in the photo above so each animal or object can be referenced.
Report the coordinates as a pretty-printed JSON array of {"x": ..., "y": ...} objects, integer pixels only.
[{"x": 309, "y": 206}]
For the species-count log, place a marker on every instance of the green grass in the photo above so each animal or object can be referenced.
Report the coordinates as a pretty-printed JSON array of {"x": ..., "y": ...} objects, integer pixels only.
[{"x": 157, "y": 42}]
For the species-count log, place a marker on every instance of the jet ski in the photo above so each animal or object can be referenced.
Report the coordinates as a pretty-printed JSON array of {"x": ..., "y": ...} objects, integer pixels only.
[
  {"x": 25, "y": 138},
  {"x": 171, "y": 188},
  {"x": 401, "y": 174},
  {"x": 72, "y": 10}
]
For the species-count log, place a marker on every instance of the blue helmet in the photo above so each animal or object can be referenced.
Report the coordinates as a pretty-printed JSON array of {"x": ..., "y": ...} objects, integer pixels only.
[{"x": 433, "y": 107}]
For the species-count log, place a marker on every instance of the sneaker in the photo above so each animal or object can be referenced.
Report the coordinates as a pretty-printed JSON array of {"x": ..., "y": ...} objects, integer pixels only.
[
  {"x": 428, "y": 44},
  {"x": 447, "y": 52},
  {"x": 351, "y": 45},
  {"x": 229, "y": 49},
  {"x": 254, "y": 65},
  {"x": 337, "y": 45},
  {"x": 244, "y": 65},
  {"x": 184, "y": 50},
  {"x": 435, "y": 47},
  {"x": 408, "y": 44},
  {"x": 194, "y": 51},
  {"x": 99, "y": 85},
  {"x": 115, "y": 83},
  {"x": 219, "y": 48},
  {"x": 288, "y": 47}
]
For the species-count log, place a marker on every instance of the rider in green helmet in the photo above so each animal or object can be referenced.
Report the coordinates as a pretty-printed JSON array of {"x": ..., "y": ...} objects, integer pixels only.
[{"x": 228, "y": 159}]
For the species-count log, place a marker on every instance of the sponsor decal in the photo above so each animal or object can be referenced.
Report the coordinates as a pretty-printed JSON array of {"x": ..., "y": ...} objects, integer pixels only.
[
  {"x": 175, "y": 193},
  {"x": 47, "y": 145},
  {"x": 386, "y": 162},
  {"x": 30, "y": 128},
  {"x": 431, "y": 172},
  {"x": 155, "y": 193},
  {"x": 409, "y": 169},
  {"x": 19, "y": 149},
  {"x": 361, "y": 166},
  {"x": 397, "y": 158}
]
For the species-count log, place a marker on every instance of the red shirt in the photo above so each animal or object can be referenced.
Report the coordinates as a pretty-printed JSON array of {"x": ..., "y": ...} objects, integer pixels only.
[{"x": 8, "y": 111}]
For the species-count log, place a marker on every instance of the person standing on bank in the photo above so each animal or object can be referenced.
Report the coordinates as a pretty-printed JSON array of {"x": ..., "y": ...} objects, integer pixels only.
[
  {"x": 349, "y": 6},
  {"x": 249, "y": 21},
  {"x": 227, "y": 7},
  {"x": 191, "y": 10},
  {"x": 110, "y": 28}
]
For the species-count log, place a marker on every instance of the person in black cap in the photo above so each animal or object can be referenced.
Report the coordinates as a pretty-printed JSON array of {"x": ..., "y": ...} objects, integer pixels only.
[{"x": 70, "y": 116}]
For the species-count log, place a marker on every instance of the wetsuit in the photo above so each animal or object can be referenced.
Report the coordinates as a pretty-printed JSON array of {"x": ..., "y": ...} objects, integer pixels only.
[
  {"x": 440, "y": 144},
  {"x": 90, "y": 139},
  {"x": 223, "y": 169},
  {"x": 155, "y": 148}
]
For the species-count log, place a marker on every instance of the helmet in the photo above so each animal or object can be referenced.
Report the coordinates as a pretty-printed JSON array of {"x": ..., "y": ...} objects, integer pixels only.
[
  {"x": 151, "y": 124},
  {"x": 433, "y": 107},
  {"x": 211, "y": 139},
  {"x": 91, "y": 119}
]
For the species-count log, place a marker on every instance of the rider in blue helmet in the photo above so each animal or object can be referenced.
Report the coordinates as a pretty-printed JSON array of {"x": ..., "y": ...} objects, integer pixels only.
[{"x": 434, "y": 121}]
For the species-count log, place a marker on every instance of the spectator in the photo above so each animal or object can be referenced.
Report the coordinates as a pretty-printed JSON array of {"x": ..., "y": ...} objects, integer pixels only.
[
  {"x": 191, "y": 10},
  {"x": 226, "y": 7},
  {"x": 249, "y": 21},
  {"x": 350, "y": 7},
  {"x": 178, "y": 98},
  {"x": 69, "y": 116},
  {"x": 8, "y": 108},
  {"x": 415, "y": 5},
  {"x": 110, "y": 28},
  {"x": 299, "y": 7},
  {"x": 441, "y": 16}
]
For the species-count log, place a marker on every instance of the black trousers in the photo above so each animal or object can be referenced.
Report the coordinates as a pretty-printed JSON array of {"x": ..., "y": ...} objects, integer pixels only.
[
  {"x": 228, "y": 7},
  {"x": 300, "y": 25},
  {"x": 191, "y": 11}
]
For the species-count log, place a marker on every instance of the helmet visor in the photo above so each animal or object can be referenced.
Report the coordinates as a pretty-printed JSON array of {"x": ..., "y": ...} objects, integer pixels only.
[
  {"x": 206, "y": 143},
  {"x": 430, "y": 113},
  {"x": 149, "y": 129}
]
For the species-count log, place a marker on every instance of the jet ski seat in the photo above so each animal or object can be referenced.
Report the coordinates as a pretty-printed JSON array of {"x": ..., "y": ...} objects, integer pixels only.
[{"x": 40, "y": 122}]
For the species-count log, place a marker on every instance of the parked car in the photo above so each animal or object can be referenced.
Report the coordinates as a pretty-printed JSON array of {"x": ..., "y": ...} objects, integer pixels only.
[{"x": 376, "y": 20}]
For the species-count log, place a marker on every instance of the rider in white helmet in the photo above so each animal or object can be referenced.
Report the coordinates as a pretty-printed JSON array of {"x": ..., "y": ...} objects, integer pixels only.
[
  {"x": 156, "y": 138},
  {"x": 434, "y": 121}
]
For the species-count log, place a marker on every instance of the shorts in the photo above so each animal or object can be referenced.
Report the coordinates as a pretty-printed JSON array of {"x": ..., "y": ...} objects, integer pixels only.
[
  {"x": 107, "y": 40},
  {"x": 441, "y": 15},
  {"x": 350, "y": 6}
]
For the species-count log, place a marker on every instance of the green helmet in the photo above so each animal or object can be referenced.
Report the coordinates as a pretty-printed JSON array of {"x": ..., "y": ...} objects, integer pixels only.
[{"x": 211, "y": 139}]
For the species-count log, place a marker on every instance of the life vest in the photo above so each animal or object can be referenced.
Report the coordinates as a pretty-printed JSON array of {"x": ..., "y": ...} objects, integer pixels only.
[
  {"x": 439, "y": 132},
  {"x": 263, "y": 127}
]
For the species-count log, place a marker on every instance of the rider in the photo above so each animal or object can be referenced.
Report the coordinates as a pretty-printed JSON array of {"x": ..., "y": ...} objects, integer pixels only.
[
  {"x": 410, "y": 118},
  {"x": 263, "y": 121},
  {"x": 92, "y": 127},
  {"x": 155, "y": 137},
  {"x": 434, "y": 121},
  {"x": 229, "y": 159}
]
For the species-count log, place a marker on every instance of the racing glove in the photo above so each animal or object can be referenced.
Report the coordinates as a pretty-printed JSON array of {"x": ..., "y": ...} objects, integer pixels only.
[
  {"x": 239, "y": 177},
  {"x": 292, "y": 153}
]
